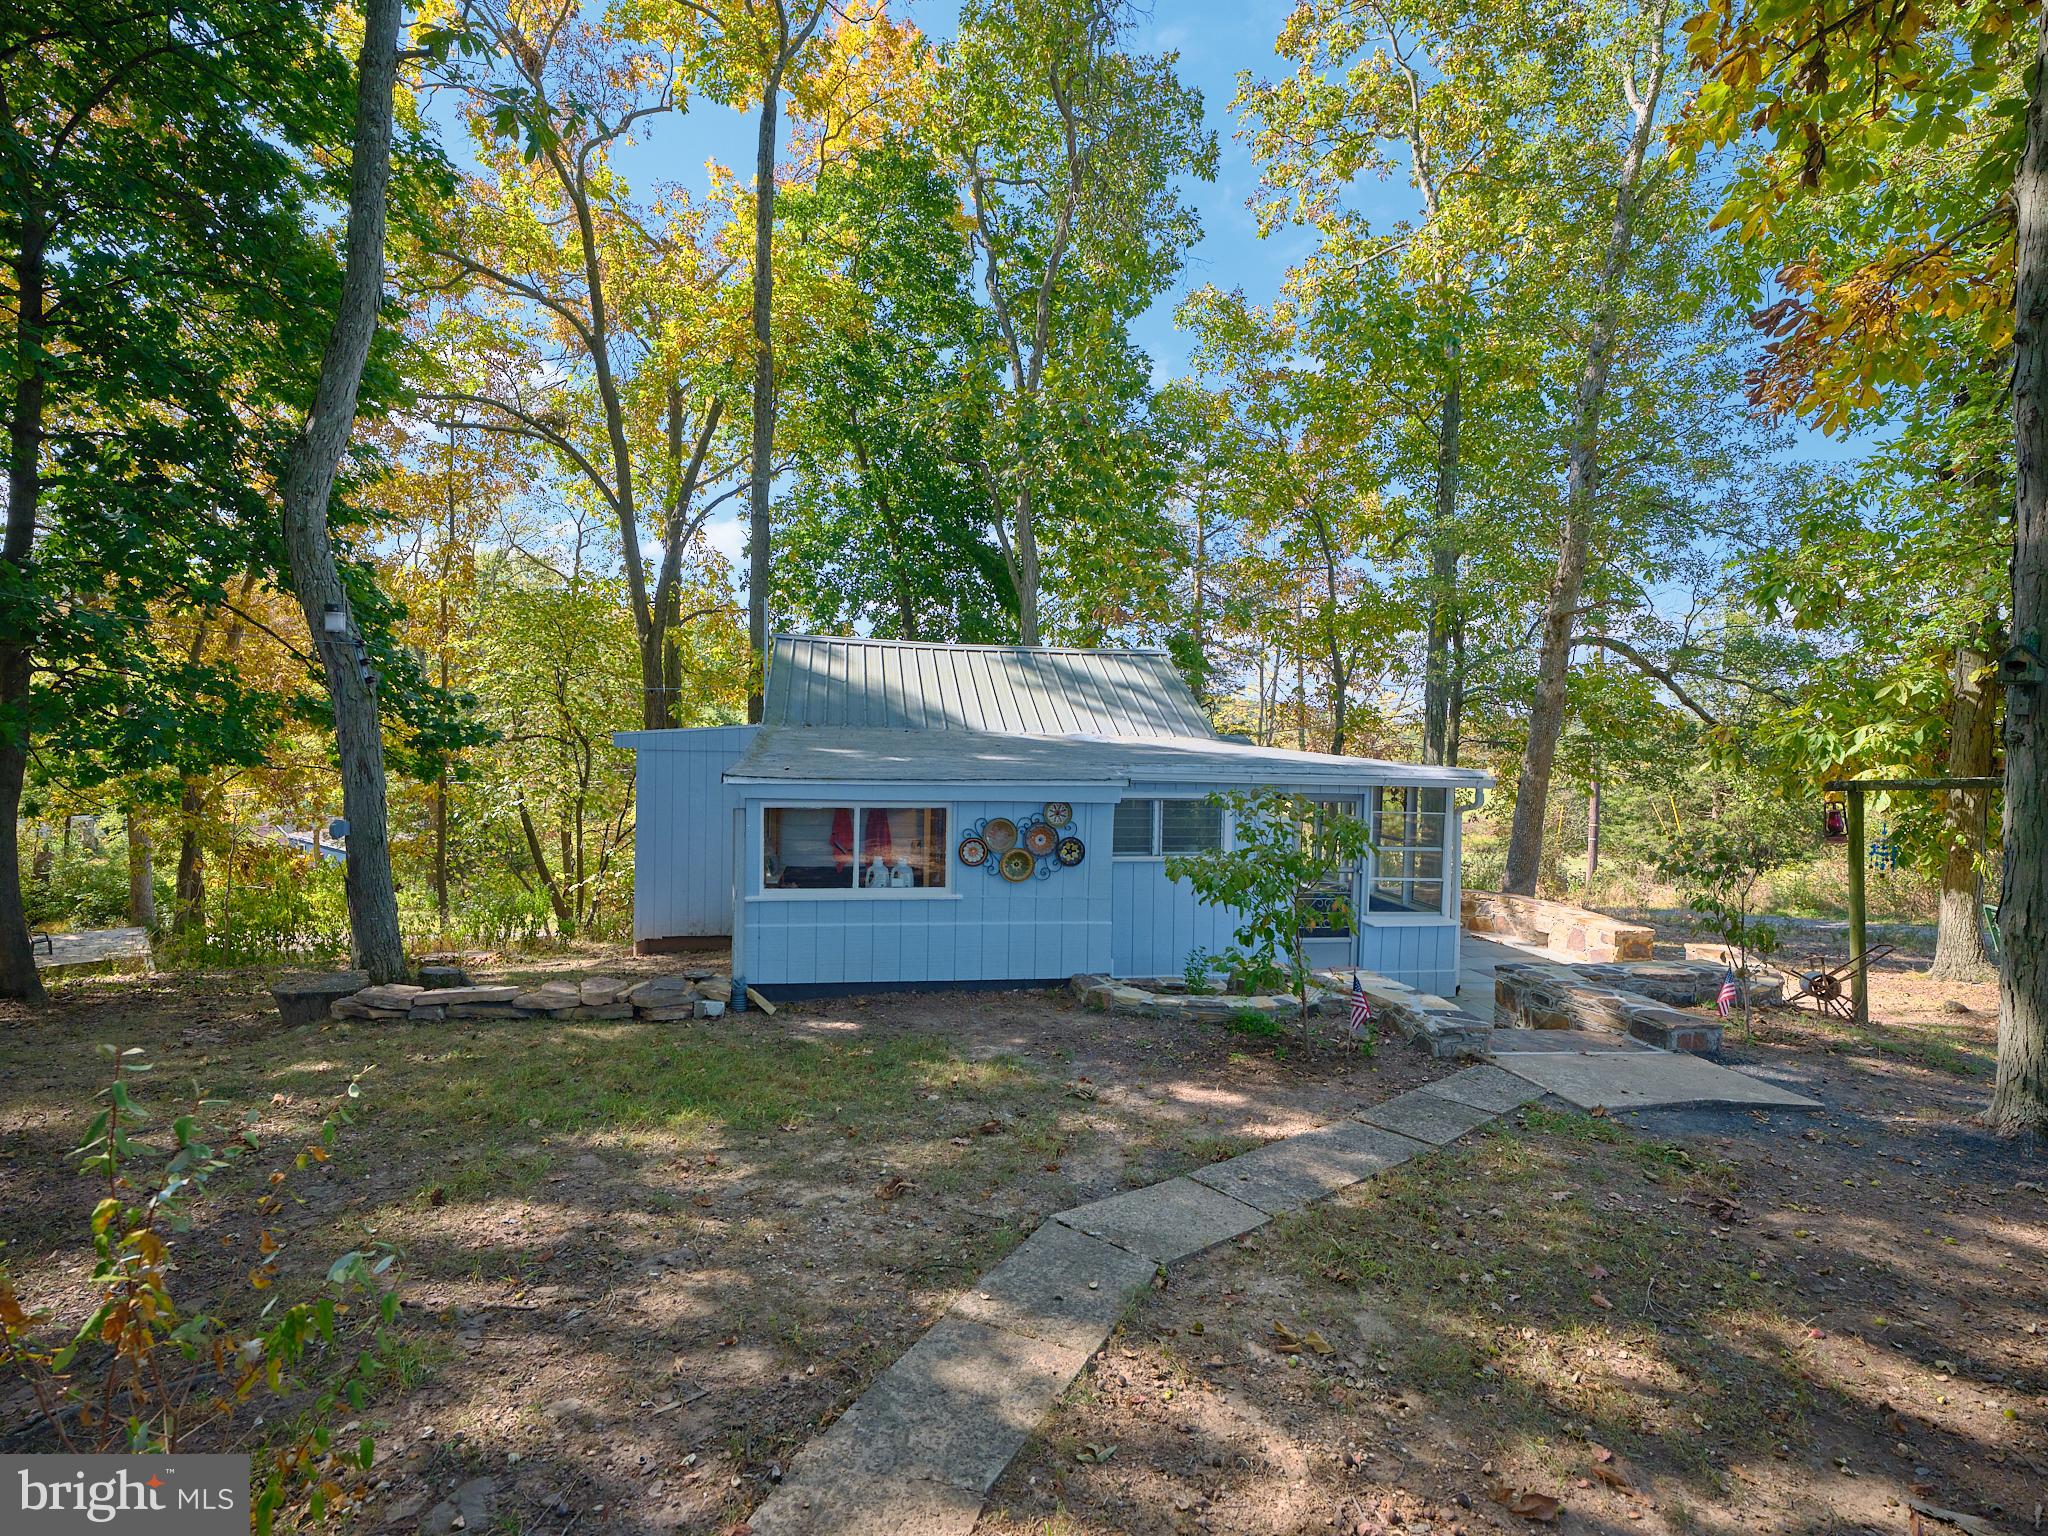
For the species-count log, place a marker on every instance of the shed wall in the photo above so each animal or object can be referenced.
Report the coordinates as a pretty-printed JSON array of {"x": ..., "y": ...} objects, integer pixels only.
[
  {"x": 988, "y": 930},
  {"x": 1156, "y": 922},
  {"x": 683, "y": 833}
]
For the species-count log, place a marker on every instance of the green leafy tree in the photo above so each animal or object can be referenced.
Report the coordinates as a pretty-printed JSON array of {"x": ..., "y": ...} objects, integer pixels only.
[
  {"x": 1285, "y": 849},
  {"x": 888, "y": 525},
  {"x": 1070, "y": 151}
]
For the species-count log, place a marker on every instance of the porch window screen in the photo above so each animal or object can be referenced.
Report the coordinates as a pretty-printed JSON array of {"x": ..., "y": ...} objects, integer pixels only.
[
  {"x": 1327, "y": 910},
  {"x": 868, "y": 848},
  {"x": 1150, "y": 829},
  {"x": 1408, "y": 834}
]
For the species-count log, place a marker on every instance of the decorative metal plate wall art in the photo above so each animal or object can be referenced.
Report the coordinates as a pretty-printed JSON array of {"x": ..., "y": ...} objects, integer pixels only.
[{"x": 1033, "y": 846}]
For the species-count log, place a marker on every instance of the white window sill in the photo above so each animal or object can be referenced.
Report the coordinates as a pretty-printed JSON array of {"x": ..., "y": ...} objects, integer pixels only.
[
  {"x": 1406, "y": 919},
  {"x": 830, "y": 894}
]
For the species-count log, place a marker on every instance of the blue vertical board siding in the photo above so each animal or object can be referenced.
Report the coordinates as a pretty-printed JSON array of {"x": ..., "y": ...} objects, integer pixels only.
[
  {"x": 1156, "y": 922},
  {"x": 985, "y": 930},
  {"x": 683, "y": 831},
  {"x": 1123, "y": 916}
]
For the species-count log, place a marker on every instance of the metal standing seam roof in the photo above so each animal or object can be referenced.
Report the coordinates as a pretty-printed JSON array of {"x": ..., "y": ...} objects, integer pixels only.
[
  {"x": 901, "y": 685},
  {"x": 856, "y": 754}
]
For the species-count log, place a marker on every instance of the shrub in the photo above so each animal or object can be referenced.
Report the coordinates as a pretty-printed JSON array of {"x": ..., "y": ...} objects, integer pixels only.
[{"x": 150, "y": 1372}]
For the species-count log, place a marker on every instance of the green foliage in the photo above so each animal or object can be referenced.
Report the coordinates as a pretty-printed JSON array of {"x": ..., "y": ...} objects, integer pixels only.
[
  {"x": 1198, "y": 970},
  {"x": 152, "y": 1371},
  {"x": 1284, "y": 848}
]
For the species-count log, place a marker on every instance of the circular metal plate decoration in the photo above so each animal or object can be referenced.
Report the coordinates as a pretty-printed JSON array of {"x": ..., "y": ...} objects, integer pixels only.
[
  {"x": 1017, "y": 866},
  {"x": 1000, "y": 835},
  {"x": 1058, "y": 813},
  {"x": 1040, "y": 839},
  {"x": 1071, "y": 851},
  {"x": 973, "y": 852}
]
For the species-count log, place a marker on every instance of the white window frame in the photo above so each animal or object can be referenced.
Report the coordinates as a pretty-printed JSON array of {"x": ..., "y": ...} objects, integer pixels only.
[
  {"x": 1226, "y": 829},
  {"x": 762, "y": 891},
  {"x": 1371, "y": 868}
]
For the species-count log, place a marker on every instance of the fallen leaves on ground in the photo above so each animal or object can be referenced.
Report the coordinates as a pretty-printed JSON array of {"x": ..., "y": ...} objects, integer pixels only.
[
  {"x": 1292, "y": 1343},
  {"x": 1526, "y": 1502}
]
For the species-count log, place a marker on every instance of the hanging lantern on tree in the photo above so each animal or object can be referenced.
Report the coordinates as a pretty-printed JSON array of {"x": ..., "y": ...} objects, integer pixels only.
[{"x": 1834, "y": 824}]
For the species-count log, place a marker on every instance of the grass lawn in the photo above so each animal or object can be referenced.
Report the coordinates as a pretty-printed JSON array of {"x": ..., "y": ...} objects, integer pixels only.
[{"x": 641, "y": 1263}]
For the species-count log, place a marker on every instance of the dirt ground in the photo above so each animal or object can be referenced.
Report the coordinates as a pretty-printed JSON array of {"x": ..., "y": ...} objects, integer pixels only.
[
  {"x": 1710, "y": 1321},
  {"x": 642, "y": 1264}
]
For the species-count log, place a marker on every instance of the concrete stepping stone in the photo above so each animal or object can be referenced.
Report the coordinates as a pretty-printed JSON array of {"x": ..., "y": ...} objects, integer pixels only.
[
  {"x": 1487, "y": 1088},
  {"x": 1061, "y": 1286},
  {"x": 1647, "y": 1080},
  {"x": 954, "y": 1410},
  {"x": 1165, "y": 1222},
  {"x": 1426, "y": 1116},
  {"x": 1296, "y": 1171},
  {"x": 866, "y": 1506}
]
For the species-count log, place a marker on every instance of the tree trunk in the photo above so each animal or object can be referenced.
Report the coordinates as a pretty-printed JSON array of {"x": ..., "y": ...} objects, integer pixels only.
[
  {"x": 1593, "y": 829},
  {"x": 1443, "y": 580},
  {"x": 309, "y": 482},
  {"x": 141, "y": 873},
  {"x": 188, "y": 911},
  {"x": 19, "y": 978},
  {"x": 2019, "y": 1102},
  {"x": 565, "y": 920},
  {"x": 1582, "y": 477},
  {"x": 1023, "y": 520},
  {"x": 762, "y": 466},
  {"x": 1960, "y": 953}
]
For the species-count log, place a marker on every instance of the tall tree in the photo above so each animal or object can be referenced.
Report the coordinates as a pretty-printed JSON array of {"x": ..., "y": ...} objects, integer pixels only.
[
  {"x": 1839, "y": 100},
  {"x": 1447, "y": 96},
  {"x": 602, "y": 328},
  {"x": 309, "y": 483},
  {"x": 157, "y": 183},
  {"x": 1633, "y": 68},
  {"x": 1069, "y": 149},
  {"x": 887, "y": 524}
]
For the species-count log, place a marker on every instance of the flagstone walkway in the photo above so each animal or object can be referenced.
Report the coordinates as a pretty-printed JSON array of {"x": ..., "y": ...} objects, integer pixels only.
[{"x": 916, "y": 1453}]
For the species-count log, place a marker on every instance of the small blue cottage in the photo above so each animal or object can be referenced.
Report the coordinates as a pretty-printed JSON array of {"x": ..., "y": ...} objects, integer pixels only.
[{"x": 911, "y": 815}]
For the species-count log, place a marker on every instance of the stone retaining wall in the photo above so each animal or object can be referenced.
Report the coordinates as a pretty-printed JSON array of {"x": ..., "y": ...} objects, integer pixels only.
[
  {"x": 1571, "y": 933},
  {"x": 1433, "y": 1023},
  {"x": 665, "y": 998},
  {"x": 1642, "y": 1001}
]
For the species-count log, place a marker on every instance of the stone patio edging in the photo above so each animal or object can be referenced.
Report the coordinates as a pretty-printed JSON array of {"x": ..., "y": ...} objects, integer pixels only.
[
  {"x": 916, "y": 1454},
  {"x": 1434, "y": 1024}
]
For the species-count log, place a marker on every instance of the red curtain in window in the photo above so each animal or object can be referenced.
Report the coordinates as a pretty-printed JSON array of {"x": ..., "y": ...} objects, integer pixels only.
[
  {"x": 876, "y": 841},
  {"x": 842, "y": 838}
]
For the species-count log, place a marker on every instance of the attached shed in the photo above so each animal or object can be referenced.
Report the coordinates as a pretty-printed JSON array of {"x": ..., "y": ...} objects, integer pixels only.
[{"x": 921, "y": 815}]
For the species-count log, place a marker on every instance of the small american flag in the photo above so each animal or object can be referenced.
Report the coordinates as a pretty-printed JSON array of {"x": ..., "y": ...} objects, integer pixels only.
[
  {"x": 1361, "y": 1005},
  {"x": 1725, "y": 1002}
]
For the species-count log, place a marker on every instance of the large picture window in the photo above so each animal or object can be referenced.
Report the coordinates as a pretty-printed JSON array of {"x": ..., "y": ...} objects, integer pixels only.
[
  {"x": 1409, "y": 828},
  {"x": 883, "y": 849},
  {"x": 1152, "y": 829}
]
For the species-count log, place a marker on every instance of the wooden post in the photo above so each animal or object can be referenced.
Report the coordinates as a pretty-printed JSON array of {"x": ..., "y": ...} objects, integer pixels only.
[{"x": 1859, "y": 981}]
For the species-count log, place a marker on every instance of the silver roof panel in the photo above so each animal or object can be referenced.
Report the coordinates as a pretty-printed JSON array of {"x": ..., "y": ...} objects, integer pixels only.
[{"x": 900, "y": 685}]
